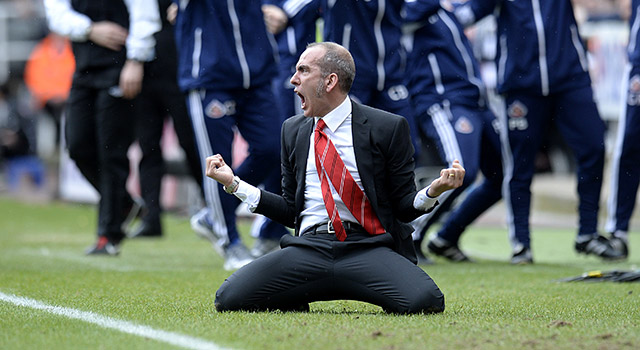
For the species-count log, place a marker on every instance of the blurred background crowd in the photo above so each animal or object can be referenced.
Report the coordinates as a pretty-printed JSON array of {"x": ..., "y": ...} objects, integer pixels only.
[{"x": 36, "y": 68}]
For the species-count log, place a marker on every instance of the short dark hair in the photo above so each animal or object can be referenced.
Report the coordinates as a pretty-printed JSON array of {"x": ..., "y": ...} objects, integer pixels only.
[{"x": 337, "y": 59}]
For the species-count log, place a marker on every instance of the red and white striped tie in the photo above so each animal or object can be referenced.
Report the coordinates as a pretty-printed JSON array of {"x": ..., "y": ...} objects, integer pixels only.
[{"x": 330, "y": 165}]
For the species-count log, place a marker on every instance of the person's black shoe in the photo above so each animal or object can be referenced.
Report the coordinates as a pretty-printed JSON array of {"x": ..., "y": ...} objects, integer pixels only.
[
  {"x": 104, "y": 247},
  {"x": 422, "y": 259},
  {"x": 522, "y": 256},
  {"x": 440, "y": 247},
  {"x": 146, "y": 230},
  {"x": 599, "y": 246},
  {"x": 619, "y": 244}
]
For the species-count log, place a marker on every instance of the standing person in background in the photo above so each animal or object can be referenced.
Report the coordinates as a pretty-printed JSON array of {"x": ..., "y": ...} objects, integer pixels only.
[
  {"x": 543, "y": 78},
  {"x": 294, "y": 28},
  {"x": 226, "y": 63},
  {"x": 625, "y": 166},
  {"x": 349, "y": 191},
  {"x": 160, "y": 97},
  {"x": 110, "y": 42},
  {"x": 372, "y": 31},
  {"x": 449, "y": 98}
]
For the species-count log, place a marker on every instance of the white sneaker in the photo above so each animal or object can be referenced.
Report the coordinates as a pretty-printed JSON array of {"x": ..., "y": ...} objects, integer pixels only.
[
  {"x": 203, "y": 226},
  {"x": 522, "y": 256},
  {"x": 263, "y": 246},
  {"x": 236, "y": 256}
]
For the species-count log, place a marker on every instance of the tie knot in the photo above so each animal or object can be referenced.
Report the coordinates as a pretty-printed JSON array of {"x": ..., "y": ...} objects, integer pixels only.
[{"x": 320, "y": 125}]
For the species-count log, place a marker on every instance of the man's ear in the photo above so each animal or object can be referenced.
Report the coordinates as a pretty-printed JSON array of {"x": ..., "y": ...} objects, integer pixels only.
[{"x": 331, "y": 81}]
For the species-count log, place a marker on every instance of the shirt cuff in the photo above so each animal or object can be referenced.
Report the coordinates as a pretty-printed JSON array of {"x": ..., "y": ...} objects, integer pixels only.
[
  {"x": 248, "y": 194},
  {"x": 422, "y": 201}
]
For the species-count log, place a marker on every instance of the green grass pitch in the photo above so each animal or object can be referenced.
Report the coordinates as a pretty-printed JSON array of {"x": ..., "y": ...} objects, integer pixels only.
[{"x": 168, "y": 285}]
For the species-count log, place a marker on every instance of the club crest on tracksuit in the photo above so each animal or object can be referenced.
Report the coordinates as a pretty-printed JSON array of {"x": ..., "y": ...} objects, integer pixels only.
[
  {"x": 463, "y": 125},
  {"x": 517, "y": 113},
  {"x": 633, "y": 97},
  {"x": 216, "y": 109}
]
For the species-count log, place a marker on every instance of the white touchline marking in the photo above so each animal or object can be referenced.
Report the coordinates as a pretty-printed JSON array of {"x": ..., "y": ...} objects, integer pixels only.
[{"x": 180, "y": 340}]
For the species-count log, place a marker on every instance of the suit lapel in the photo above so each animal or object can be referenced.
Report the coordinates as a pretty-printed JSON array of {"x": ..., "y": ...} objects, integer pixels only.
[{"x": 361, "y": 131}]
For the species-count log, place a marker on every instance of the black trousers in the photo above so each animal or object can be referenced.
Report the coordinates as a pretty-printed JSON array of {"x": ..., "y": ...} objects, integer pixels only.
[
  {"x": 161, "y": 98},
  {"x": 319, "y": 267},
  {"x": 98, "y": 134}
]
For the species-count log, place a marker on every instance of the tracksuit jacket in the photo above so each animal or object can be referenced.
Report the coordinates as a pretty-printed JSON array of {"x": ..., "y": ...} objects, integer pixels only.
[
  {"x": 209, "y": 59},
  {"x": 301, "y": 29},
  {"x": 441, "y": 59},
  {"x": 378, "y": 53},
  {"x": 558, "y": 61},
  {"x": 633, "y": 48}
]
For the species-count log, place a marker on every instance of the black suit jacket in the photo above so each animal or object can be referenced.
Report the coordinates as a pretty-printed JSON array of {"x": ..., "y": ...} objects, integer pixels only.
[{"x": 384, "y": 156}]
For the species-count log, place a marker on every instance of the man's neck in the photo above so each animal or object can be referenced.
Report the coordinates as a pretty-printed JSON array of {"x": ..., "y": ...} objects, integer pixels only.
[
  {"x": 334, "y": 102},
  {"x": 337, "y": 115}
]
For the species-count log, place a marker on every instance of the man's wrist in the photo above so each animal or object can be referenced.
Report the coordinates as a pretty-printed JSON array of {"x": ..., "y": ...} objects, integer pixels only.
[
  {"x": 428, "y": 194},
  {"x": 233, "y": 186},
  {"x": 87, "y": 32}
]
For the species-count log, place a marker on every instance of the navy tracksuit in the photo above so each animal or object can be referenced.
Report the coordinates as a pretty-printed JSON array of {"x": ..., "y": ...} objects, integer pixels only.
[
  {"x": 292, "y": 41},
  {"x": 371, "y": 31},
  {"x": 227, "y": 61},
  {"x": 543, "y": 77},
  {"x": 449, "y": 100},
  {"x": 625, "y": 167}
]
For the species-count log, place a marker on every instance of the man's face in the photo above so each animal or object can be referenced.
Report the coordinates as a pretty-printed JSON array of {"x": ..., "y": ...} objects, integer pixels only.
[{"x": 310, "y": 85}]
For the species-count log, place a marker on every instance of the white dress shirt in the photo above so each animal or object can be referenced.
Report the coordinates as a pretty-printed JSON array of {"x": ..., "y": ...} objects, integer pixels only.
[
  {"x": 144, "y": 17},
  {"x": 338, "y": 130}
]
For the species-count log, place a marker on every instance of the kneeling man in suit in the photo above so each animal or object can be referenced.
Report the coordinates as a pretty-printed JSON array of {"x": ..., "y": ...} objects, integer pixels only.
[{"x": 348, "y": 190}]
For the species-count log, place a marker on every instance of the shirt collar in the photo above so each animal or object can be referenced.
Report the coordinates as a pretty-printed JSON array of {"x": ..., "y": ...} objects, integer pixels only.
[{"x": 338, "y": 115}]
